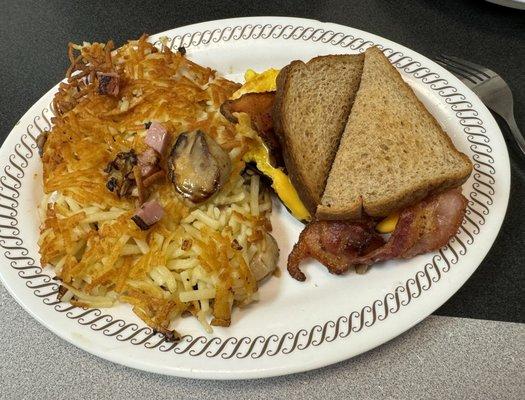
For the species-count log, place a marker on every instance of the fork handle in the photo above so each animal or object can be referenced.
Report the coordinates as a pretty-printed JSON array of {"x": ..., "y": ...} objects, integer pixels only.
[{"x": 516, "y": 132}]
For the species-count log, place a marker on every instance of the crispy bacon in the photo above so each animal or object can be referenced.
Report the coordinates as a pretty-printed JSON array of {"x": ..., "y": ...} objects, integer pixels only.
[
  {"x": 334, "y": 244},
  {"x": 339, "y": 245},
  {"x": 259, "y": 107},
  {"x": 424, "y": 227}
]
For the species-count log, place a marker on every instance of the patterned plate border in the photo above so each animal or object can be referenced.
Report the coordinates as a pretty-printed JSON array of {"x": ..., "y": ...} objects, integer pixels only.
[{"x": 480, "y": 202}]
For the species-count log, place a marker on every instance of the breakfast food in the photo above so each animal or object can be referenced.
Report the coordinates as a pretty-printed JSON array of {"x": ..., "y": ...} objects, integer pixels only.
[
  {"x": 393, "y": 161},
  {"x": 147, "y": 197},
  {"x": 153, "y": 188},
  {"x": 312, "y": 104},
  {"x": 342, "y": 244},
  {"x": 253, "y": 111},
  {"x": 392, "y": 154}
]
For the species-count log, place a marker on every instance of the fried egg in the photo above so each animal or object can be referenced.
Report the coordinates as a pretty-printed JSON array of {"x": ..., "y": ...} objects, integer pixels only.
[{"x": 258, "y": 82}]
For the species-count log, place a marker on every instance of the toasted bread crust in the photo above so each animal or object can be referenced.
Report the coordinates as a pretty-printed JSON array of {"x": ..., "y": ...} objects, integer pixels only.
[
  {"x": 309, "y": 194},
  {"x": 308, "y": 198},
  {"x": 352, "y": 212}
]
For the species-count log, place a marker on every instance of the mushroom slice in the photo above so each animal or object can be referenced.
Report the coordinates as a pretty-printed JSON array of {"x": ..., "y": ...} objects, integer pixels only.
[
  {"x": 264, "y": 262},
  {"x": 197, "y": 166}
]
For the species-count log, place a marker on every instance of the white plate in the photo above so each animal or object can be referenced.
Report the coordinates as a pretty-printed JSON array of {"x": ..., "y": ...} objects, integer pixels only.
[
  {"x": 517, "y": 4},
  {"x": 295, "y": 326}
]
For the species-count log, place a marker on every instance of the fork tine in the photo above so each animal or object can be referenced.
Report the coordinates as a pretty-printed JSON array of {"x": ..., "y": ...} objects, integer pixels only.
[
  {"x": 476, "y": 77},
  {"x": 480, "y": 69},
  {"x": 458, "y": 73}
]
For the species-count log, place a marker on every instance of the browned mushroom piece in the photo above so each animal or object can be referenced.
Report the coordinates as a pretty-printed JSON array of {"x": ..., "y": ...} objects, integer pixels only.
[
  {"x": 121, "y": 179},
  {"x": 265, "y": 262},
  {"x": 40, "y": 142},
  {"x": 197, "y": 166}
]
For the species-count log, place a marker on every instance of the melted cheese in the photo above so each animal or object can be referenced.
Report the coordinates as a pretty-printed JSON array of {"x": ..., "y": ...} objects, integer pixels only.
[{"x": 388, "y": 224}]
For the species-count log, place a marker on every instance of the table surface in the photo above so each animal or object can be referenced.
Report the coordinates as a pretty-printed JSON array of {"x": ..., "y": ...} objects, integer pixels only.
[{"x": 482, "y": 358}]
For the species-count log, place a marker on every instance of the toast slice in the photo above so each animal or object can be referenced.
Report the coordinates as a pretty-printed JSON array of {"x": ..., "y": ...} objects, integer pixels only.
[
  {"x": 393, "y": 152},
  {"x": 312, "y": 105}
]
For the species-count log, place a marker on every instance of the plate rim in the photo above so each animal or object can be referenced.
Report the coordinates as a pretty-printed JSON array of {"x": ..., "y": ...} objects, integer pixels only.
[
  {"x": 515, "y": 4},
  {"x": 323, "y": 35}
]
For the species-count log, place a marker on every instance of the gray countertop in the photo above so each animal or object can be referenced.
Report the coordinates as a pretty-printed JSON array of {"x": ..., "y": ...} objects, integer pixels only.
[{"x": 443, "y": 357}]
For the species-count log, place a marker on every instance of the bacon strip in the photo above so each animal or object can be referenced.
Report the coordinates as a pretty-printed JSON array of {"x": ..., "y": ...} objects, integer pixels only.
[
  {"x": 334, "y": 244},
  {"x": 425, "y": 227},
  {"x": 421, "y": 228}
]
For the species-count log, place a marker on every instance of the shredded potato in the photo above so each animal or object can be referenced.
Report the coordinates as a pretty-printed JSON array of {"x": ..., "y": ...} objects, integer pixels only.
[{"x": 194, "y": 260}]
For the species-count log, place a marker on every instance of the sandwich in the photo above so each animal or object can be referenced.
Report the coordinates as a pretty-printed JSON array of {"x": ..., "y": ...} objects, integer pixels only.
[
  {"x": 373, "y": 171},
  {"x": 394, "y": 171},
  {"x": 250, "y": 107}
]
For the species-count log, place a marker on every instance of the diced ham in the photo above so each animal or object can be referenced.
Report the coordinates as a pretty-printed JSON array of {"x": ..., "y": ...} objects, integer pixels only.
[
  {"x": 148, "y": 162},
  {"x": 148, "y": 214},
  {"x": 108, "y": 83},
  {"x": 157, "y": 137}
]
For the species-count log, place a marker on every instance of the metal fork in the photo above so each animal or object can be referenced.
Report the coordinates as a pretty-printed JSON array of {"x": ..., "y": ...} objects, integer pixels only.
[{"x": 489, "y": 87}]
